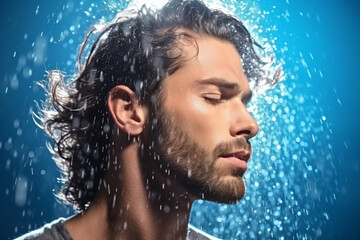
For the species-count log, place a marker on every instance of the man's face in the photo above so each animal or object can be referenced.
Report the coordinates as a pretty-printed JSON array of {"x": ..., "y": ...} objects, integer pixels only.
[{"x": 204, "y": 124}]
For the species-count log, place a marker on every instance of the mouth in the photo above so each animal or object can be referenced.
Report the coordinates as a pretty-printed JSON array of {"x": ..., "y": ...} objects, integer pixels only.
[
  {"x": 237, "y": 159},
  {"x": 242, "y": 155}
]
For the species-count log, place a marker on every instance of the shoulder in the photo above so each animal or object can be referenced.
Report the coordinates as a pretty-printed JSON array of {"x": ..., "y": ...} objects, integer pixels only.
[
  {"x": 196, "y": 234},
  {"x": 52, "y": 231}
]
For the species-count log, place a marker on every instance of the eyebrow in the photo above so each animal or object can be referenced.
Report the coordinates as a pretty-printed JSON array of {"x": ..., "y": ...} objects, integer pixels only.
[
  {"x": 219, "y": 82},
  {"x": 247, "y": 97},
  {"x": 224, "y": 84}
]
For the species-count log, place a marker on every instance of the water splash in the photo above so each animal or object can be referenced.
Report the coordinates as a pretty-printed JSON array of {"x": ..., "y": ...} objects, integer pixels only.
[{"x": 292, "y": 170}]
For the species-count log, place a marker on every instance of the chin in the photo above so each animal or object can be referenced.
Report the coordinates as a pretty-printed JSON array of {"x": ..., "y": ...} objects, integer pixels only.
[{"x": 228, "y": 190}]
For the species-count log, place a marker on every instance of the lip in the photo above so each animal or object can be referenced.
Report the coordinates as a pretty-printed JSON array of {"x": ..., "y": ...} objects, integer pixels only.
[
  {"x": 238, "y": 159},
  {"x": 242, "y": 155}
]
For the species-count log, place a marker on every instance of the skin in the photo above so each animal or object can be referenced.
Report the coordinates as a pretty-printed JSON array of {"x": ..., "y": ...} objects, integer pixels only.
[{"x": 140, "y": 198}]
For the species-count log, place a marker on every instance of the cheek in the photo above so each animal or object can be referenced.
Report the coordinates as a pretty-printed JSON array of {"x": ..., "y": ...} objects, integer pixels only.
[{"x": 203, "y": 122}]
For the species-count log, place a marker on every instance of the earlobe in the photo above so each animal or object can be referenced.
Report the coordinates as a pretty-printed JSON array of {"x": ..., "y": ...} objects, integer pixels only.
[{"x": 126, "y": 111}]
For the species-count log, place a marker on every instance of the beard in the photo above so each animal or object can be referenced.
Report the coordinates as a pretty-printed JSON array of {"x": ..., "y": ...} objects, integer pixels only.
[{"x": 195, "y": 168}]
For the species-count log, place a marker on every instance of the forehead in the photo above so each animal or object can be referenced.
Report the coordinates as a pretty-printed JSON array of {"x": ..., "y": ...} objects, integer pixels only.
[{"x": 209, "y": 58}]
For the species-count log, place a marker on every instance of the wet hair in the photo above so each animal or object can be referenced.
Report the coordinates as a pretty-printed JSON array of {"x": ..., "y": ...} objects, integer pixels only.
[{"x": 139, "y": 48}]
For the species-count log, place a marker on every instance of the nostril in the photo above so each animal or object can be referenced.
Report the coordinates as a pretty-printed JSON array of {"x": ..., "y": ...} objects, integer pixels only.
[{"x": 246, "y": 133}]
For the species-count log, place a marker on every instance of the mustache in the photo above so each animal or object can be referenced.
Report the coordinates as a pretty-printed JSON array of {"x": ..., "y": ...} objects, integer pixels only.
[{"x": 224, "y": 148}]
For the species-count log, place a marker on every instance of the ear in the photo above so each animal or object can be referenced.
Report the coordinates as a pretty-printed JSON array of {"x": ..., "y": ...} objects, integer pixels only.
[{"x": 128, "y": 114}]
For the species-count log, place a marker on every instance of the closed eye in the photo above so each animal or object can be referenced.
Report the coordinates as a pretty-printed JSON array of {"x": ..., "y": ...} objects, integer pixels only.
[
  {"x": 213, "y": 98},
  {"x": 213, "y": 101}
]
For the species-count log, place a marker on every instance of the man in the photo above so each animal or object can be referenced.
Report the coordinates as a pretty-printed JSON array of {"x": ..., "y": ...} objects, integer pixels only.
[{"x": 155, "y": 119}]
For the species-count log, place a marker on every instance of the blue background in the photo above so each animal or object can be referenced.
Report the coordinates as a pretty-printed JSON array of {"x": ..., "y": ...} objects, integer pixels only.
[{"x": 318, "y": 41}]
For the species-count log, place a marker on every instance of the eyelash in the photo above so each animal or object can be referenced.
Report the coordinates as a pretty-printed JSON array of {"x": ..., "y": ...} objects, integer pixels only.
[
  {"x": 212, "y": 100},
  {"x": 218, "y": 101}
]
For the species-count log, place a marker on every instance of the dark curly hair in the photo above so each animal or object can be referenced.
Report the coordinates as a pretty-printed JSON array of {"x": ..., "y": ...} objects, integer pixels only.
[{"x": 139, "y": 48}]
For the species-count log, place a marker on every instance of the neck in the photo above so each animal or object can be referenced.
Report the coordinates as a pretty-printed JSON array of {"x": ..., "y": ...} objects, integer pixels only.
[{"x": 138, "y": 200}]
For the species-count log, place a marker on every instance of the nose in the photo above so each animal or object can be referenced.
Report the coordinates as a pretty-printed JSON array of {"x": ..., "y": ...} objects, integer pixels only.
[{"x": 243, "y": 124}]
